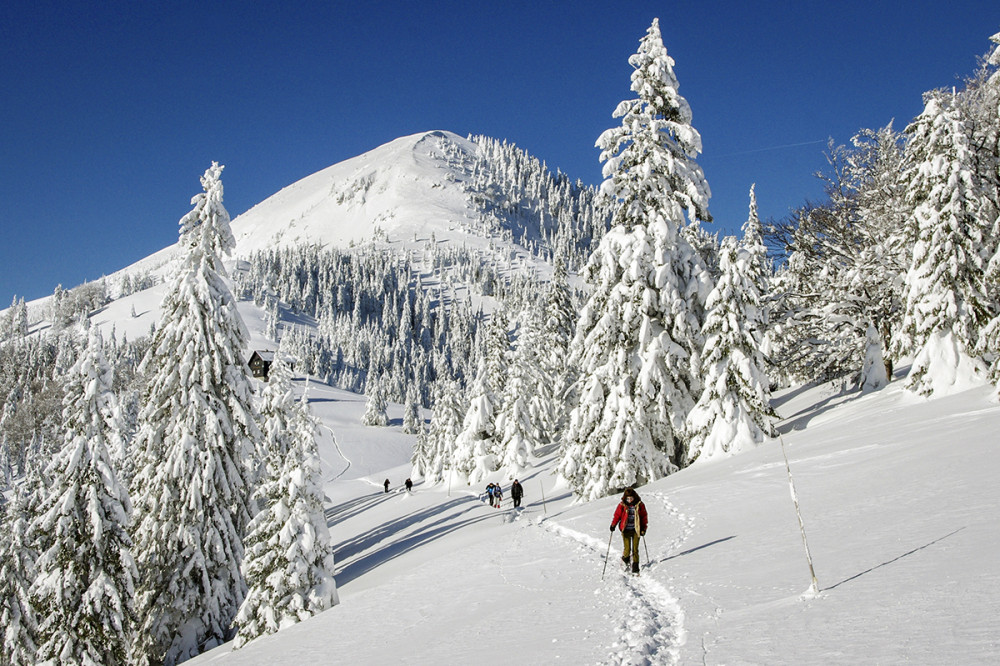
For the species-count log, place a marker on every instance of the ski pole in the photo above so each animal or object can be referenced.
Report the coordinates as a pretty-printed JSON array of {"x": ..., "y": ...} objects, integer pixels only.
[
  {"x": 607, "y": 554},
  {"x": 643, "y": 537}
]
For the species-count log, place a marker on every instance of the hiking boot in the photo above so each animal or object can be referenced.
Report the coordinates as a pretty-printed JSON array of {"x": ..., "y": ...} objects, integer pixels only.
[
  {"x": 626, "y": 559},
  {"x": 635, "y": 567}
]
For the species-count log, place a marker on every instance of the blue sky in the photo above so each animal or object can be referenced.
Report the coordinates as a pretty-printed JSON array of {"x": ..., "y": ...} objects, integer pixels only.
[{"x": 111, "y": 111}]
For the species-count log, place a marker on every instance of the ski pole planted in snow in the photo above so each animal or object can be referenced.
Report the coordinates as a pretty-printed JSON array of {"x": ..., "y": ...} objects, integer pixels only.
[{"x": 802, "y": 527}]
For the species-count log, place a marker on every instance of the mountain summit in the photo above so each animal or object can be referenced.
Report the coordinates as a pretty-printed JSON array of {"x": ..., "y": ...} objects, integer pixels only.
[{"x": 414, "y": 185}]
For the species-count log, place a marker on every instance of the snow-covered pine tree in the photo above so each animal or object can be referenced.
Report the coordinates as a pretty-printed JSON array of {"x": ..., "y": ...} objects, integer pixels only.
[
  {"x": 475, "y": 452},
  {"x": 494, "y": 348},
  {"x": 375, "y": 407},
  {"x": 196, "y": 438},
  {"x": 733, "y": 413},
  {"x": 435, "y": 453},
  {"x": 85, "y": 575},
  {"x": 412, "y": 420},
  {"x": 276, "y": 412},
  {"x": 945, "y": 294},
  {"x": 289, "y": 557},
  {"x": 989, "y": 343},
  {"x": 517, "y": 432},
  {"x": 639, "y": 336},
  {"x": 533, "y": 359},
  {"x": 758, "y": 268},
  {"x": 17, "y": 571},
  {"x": 557, "y": 332}
]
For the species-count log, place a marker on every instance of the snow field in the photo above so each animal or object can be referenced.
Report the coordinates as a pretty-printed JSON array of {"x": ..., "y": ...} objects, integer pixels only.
[{"x": 898, "y": 496}]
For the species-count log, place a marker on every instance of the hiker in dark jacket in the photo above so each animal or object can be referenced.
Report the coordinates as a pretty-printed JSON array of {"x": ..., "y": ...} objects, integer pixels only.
[
  {"x": 516, "y": 492},
  {"x": 630, "y": 517}
]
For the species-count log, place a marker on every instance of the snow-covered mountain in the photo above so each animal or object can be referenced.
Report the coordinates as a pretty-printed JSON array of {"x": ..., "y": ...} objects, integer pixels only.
[
  {"x": 898, "y": 494},
  {"x": 429, "y": 189},
  {"x": 409, "y": 188}
]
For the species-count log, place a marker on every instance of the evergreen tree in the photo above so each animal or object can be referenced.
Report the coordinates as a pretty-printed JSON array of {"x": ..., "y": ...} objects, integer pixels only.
[
  {"x": 412, "y": 420},
  {"x": 557, "y": 333},
  {"x": 375, "y": 407},
  {"x": 475, "y": 452},
  {"x": 289, "y": 557},
  {"x": 638, "y": 338},
  {"x": 525, "y": 406},
  {"x": 85, "y": 574},
  {"x": 435, "y": 450},
  {"x": 733, "y": 413},
  {"x": 989, "y": 343},
  {"x": 945, "y": 295},
  {"x": 17, "y": 570},
  {"x": 196, "y": 436},
  {"x": 276, "y": 414}
]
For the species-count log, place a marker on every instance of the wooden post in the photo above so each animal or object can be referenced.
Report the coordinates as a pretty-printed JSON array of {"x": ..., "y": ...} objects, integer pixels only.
[{"x": 802, "y": 528}]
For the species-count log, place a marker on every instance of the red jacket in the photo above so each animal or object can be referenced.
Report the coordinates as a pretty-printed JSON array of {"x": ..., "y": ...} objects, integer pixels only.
[{"x": 621, "y": 516}]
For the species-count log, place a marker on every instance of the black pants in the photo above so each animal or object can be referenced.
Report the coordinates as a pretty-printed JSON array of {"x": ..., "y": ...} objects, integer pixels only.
[{"x": 517, "y": 500}]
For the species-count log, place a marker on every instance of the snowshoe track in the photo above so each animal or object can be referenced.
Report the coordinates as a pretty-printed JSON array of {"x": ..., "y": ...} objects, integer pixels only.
[{"x": 648, "y": 619}]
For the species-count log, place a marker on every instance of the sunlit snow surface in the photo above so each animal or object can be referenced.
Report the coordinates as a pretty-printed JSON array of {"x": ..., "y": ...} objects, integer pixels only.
[
  {"x": 900, "y": 503},
  {"x": 899, "y": 495}
]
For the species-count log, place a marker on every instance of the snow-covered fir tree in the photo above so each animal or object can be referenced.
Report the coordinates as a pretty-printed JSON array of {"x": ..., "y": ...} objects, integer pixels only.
[
  {"x": 494, "y": 348},
  {"x": 557, "y": 333},
  {"x": 517, "y": 432},
  {"x": 85, "y": 575},
  {"x": 196, "y": 440},
  {"x": 412, "y": 421},
  {"x": 639, "y": 335},
  {"x": 733, "y": 413},
  {"x": 289, "y": 558},
  {"x": 989, "y": 342},
  {"x": 475, "y": 452},
  {"x": 275, "y": 416},
  {"x": 17, "y": 571},
  {"x": 945, "y": 295},
  {"x": 758, "y": 269},
  {"x": 434, "y": 452},
  {"x": 375, "y": 406},
  {"x": 14, "y": 322}
]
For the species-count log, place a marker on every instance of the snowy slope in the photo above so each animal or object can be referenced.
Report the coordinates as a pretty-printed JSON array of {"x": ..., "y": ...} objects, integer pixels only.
[
  {"x": 400, "y": 195},
  {"x": 410, "y": 186},
  {"x": 899, "y": 498}
]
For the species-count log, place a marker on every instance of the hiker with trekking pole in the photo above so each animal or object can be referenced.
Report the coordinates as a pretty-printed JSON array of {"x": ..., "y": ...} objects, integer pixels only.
[{"x": 631, "y": 519}]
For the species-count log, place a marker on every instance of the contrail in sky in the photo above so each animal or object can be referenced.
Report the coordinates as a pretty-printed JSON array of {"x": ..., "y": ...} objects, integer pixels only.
[{"x": 763, "y": 150}]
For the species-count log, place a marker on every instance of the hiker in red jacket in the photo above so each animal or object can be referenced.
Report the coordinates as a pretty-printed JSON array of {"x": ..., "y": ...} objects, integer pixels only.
[{"x": 630, "y": 517}]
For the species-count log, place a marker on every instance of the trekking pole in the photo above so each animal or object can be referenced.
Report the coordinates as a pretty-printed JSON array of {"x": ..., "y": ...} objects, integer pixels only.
[
  {"x": 643, "y": 537},
  {"x": 607, "y": 555}
]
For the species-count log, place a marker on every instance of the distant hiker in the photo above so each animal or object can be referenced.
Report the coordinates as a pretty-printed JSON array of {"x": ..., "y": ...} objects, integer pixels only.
[
  {"x": 497, "y": 494},
  {"x": 516, "y": 493},
  {"x": 630, "y": 517},
  {"x": 386, "y": 484},
  {"x": 409, "y": 485},
  {"x": 489, "y": 493}
]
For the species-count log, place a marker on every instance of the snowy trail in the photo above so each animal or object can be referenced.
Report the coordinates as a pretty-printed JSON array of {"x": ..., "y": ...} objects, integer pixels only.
[
  {"x": 648, "y": 619},
  {"x": 336, "y": 444}
]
